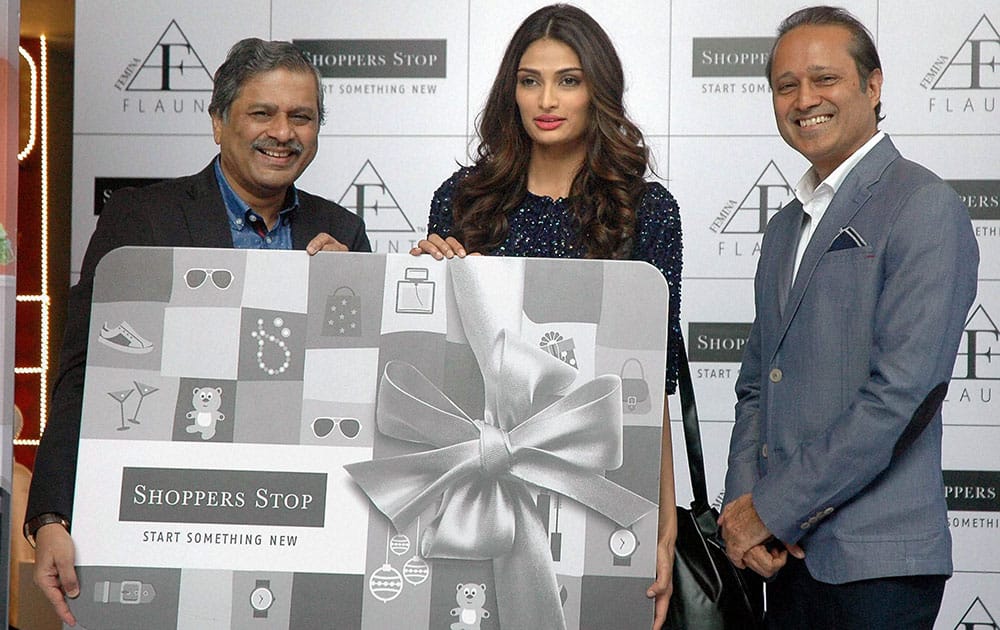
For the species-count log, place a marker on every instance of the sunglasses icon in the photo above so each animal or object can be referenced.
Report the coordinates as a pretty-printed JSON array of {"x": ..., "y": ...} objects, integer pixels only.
[
  {"x": 221, "y": 278},
  {"x": 348, "y": 427}
]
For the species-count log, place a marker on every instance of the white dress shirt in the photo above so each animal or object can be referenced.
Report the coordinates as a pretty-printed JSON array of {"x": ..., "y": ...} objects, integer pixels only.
[{"x": 816, "y": 196}]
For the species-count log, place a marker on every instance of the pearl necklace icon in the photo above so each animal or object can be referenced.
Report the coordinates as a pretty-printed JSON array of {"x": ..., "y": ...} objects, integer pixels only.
[{"x": 262, "y": 337}]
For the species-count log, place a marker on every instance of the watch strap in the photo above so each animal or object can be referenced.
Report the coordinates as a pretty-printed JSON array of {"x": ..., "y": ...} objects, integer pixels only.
[
  {"x": 124, "y": 592},
  {"x": 261, "y": 613},
  {"x": 32, "y": 526}
]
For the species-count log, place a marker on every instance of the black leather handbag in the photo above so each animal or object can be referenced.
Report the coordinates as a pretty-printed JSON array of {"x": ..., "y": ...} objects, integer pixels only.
[{"x": 709, "y": 592}]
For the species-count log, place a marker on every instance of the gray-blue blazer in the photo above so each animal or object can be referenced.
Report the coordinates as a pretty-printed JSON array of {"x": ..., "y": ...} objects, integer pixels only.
[{"x": 838, "y": 421}]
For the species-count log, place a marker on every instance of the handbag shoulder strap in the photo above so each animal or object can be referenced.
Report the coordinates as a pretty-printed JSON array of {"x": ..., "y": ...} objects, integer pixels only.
[{"x": 692, "y": 434}]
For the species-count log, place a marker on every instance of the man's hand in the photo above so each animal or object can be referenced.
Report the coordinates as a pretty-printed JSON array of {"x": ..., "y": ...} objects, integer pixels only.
[
  {"x": 55, "y": 575},
  {"x": 766, "y": 562},
  {"x": 663, "y": 587},
  {"x": 742, "y": 529},
  {"x": 323, "y": 242}
]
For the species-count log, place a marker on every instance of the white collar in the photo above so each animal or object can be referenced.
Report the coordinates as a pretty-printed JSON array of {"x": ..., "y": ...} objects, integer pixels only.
[{"x": 808, "y": 185}]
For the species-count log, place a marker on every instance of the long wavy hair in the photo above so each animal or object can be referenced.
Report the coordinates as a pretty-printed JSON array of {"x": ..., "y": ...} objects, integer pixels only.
[{"x": 609, "y": 184}]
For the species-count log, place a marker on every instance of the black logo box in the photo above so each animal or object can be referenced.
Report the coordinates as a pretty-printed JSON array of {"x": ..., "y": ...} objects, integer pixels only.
[
  {"x": 236, "y": 497},
  {"x": 730, "y": 56},
  {"x": 717, "y": 342},
  {"x": 377, "y": 58},
  {"x": 972, "y": 490},
  {"x": 105, "y": 186},
  {"x": 982, "y": 196}
]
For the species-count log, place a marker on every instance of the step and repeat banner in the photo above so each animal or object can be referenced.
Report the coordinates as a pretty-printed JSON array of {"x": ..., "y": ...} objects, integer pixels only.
[{"x": 405, "y": 82}]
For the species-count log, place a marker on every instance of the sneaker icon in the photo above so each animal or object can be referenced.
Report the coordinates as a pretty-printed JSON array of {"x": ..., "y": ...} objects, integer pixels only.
[{"x": 124, "y": 339}]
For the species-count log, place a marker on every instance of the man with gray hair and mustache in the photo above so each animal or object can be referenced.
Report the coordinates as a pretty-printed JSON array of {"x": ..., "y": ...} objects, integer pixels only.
[{"x": 266, "y": 109}]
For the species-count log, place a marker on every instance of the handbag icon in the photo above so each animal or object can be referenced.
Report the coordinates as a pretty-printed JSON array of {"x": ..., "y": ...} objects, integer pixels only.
[
  {"x": 342, "y": 317},
  {"x": 635, "y": 390}
]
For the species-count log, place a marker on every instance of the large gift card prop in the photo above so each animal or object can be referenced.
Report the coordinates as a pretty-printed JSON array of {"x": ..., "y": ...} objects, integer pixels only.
[{"x": 272, "y": 440}]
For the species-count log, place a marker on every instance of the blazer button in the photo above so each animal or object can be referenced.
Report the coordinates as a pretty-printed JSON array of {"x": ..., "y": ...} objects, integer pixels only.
[
  {"x": 763, "y": 451},
  {"x": 805, "y": 526},
  {"x": 828, "y": 511},
  {"x": 775, "y": 375}
]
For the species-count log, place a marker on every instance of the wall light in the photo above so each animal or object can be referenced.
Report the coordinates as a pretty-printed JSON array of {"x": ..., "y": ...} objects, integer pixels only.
[
  {"x": 32, "y": 106},
  {"x": 43, "y": 299}
]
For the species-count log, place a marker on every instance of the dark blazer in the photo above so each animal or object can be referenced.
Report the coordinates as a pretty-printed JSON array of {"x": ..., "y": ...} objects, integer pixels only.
[
  {"x": 184, "y": 212},
  {"x": 838, "y": 423}
]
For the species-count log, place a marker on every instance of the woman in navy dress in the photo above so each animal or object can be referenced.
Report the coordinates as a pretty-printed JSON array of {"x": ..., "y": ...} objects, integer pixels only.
[{"x": 559, "y": 173}]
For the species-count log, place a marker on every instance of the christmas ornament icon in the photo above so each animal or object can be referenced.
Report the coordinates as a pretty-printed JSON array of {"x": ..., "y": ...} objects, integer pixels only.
[
  {"x": 416, "y": 571},
  {"x": 385, "y": 583},
  {"x": 399, "y": 544}
]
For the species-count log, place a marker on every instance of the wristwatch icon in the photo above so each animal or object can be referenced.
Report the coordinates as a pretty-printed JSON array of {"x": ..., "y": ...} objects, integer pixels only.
[
  {"x": 124, "y": 592},
  {"x": 623, "y": 544},
  {"x": 261, "y": 598}
]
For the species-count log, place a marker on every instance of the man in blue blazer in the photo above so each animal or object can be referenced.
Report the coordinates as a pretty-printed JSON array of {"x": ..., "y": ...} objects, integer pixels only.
[
  {"x": 834, "y": 489},
  {"x": 266, "y": 109}
]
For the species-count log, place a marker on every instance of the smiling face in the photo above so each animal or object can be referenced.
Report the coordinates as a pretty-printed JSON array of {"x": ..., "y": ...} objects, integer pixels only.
[
  {"x": 552, "y": 96},
  {"x": 269, "y": 136},
  {"x": 821, "y": 107}
]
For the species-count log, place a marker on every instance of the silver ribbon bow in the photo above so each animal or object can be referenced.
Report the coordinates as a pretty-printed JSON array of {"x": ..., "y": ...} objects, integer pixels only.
[{"x": 481, "y": 469}]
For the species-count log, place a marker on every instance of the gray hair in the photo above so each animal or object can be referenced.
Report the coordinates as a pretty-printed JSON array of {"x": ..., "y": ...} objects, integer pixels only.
[{"x": 251, "y": 57}]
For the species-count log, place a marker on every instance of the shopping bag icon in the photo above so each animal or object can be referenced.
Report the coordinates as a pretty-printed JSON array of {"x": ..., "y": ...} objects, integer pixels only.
[{"x": 342, "y": 317}]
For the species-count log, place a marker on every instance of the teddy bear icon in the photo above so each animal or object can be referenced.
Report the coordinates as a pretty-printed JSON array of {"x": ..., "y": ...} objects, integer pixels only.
[
  {"x": 470, "y": 612},
  {"x": 206, "y": 402}
]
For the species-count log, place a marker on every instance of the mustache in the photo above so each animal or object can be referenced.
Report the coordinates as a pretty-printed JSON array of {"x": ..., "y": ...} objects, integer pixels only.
[{"x": 270, "y": 143}]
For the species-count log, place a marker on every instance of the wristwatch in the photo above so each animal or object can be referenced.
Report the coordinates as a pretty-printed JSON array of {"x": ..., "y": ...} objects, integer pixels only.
[
  {"x": 124, "y": 592},
  {"x": 623, "y": 544},
  {"x": 261, "y": 598},
  {"x": 31, "y": 527}
]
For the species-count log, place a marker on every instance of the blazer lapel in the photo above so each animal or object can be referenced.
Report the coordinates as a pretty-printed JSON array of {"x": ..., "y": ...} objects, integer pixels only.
[
  {"x": 853, "y": 194},
  {"x": 306, "y": 224},
  {"x": 786, "y": 264},
  {"x": 206, "y": 216}
]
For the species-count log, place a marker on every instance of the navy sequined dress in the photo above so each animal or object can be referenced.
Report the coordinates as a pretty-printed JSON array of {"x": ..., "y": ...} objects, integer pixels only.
[{"x": 543, "y": 227}]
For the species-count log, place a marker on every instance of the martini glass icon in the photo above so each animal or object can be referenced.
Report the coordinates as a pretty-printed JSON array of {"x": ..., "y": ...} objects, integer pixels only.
[
  {"x": 144, "y": 390},
  {"x": 121, "y": 396}
]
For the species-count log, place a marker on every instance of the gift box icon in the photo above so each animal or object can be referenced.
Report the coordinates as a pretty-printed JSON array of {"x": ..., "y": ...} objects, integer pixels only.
[{"x": 562, "y": 349}]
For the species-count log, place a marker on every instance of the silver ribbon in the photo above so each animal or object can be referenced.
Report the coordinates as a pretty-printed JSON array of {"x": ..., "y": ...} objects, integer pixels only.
[{"x": 481, "y": 469}]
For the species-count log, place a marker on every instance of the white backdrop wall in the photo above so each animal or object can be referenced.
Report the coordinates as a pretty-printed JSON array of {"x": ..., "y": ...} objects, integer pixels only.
[{"x": 401, "y": 122}]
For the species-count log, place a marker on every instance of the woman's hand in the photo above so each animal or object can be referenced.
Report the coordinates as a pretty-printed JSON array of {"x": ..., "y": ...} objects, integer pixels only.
[
  {"x": 663, "y": 587},
  {"x": 439, "y": 247},
  {"x": 666, "y": 534}
]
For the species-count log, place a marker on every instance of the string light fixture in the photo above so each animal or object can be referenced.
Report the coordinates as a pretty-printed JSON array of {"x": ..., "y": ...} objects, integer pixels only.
[
  {"x": 32, "y": 105},
  {"x": 40, "y": 87}
]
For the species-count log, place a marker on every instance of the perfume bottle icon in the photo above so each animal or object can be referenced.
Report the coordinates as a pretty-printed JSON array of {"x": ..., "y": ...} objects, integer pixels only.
[{"x": 415, "y": 293}]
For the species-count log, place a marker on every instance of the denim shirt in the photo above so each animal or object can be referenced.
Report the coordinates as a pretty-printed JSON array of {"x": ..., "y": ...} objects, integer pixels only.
[{"x": 242, "y": 219}]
